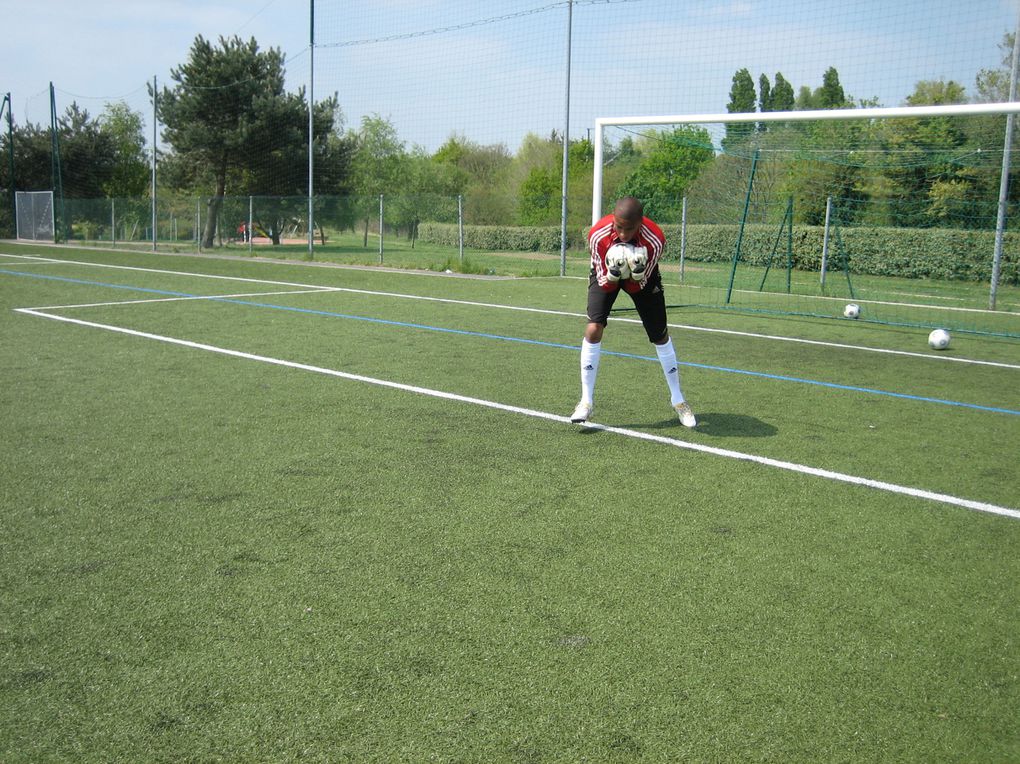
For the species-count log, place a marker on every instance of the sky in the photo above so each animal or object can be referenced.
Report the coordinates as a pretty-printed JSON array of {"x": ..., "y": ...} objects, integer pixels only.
[{"x": 495, "y": 71}]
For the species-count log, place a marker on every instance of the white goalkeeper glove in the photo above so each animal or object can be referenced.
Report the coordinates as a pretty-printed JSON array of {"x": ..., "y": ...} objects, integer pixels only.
[
  {"x": 637, "y": 261},
  {"x": 617, "y": 262}
]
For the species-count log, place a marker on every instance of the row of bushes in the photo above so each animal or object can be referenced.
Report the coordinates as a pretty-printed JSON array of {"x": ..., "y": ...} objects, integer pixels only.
[{"x": 935, "y": 253}]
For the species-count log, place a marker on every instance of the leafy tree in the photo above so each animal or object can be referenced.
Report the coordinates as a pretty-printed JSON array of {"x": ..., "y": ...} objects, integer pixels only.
[
  {"x": 228, "y": 115},
  {"x": 764, "y": 93},
  {"x": 831, "y": 95},
  {"x": 379, "y": 158},
  {"x": 670, "y": 164},
  {"x": 923, "y": 152},
  {"x": 742, "y": 99},
  {"x": 782, "y": 95},
  {"x": 992, "y": 85},
  {"x": 130, "y": 174},
  {"x": 482, "y": 174}
]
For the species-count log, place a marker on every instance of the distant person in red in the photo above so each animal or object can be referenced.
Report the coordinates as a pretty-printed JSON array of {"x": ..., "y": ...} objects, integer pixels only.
[
  {"x": 625, "y": 249},
  {"x": 243, "y": 230}
]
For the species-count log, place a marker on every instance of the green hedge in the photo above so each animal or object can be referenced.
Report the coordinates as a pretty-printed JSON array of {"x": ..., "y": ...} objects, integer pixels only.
[
  {"x": 935, "y": 253},
  {"x": 500, "y": 238}
]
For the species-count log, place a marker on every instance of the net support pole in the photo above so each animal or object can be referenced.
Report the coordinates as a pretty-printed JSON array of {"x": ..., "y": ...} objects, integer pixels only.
[
  {"x": 825, "y": 237},
  {"x": 311, "y": 128},
  {"x": 247, "y": 226},
  {"x": 743, "y": 223},
  {"x": 155, "y": 127},
  {"x": 1007, "y": 148},
  {"x": 566, "y": 148},
  {"x": 10, "y": 151},
  {"x": 683, "y": 236},
  {"x": 380, "y": 229},
  {"x": 460, "y": 227}
]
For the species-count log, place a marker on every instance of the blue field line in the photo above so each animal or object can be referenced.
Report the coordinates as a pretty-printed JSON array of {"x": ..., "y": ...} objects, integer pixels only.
[
  {"x": 541, "y": 343},
  {"x": 86, "y": 282}
]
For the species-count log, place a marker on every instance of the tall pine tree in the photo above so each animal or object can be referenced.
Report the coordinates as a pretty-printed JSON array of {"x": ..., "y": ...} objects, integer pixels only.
[{"x": 742, "y": 100}]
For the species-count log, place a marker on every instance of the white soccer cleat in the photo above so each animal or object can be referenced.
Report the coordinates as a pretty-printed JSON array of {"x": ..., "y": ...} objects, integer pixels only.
[
  {"x": 581, "y": 412},
  {"x": 683, "y": 410}
]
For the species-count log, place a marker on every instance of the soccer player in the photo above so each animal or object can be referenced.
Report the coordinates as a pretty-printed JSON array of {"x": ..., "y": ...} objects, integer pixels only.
[{"x": 625, "y": 250}]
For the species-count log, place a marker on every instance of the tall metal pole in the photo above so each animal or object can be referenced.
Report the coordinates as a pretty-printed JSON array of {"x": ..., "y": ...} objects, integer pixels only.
[
  {"x": 154, "y": 127},
  {"x": 10, "y": 151},
  {"x": 1007, "y": 147},
  {"x": 566, "y": 147},
  {"x": 311, "y": 127},
  {"x": 56, "y": 171}
]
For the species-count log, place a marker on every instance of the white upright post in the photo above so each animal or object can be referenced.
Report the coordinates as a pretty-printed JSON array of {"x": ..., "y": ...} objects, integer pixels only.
[
  {"x": 1007, "y": 148},
  {"x": 596, "y": 193}
]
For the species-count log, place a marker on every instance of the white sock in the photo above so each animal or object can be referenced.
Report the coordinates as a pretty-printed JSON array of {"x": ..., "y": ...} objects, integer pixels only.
[
  {"x": 590, "y": 354},
  {"x": 667, "y": 357}
]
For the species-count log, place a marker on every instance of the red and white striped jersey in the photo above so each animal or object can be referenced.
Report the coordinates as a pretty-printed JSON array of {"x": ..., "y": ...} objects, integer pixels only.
[{"x": 602, "y": 236}]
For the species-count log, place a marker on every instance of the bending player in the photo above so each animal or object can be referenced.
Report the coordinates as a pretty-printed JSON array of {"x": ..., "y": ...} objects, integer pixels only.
[{"x": 625, "y": 249}]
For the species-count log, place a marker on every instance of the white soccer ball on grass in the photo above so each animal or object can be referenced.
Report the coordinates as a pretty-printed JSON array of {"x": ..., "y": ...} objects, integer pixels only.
[
  {"x": 939, "y": 339},
  {"x": 852, "y": 310}
]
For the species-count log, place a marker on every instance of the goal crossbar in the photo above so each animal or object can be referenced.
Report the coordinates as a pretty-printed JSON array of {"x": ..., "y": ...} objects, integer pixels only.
[{"x": 949, "y": 110}]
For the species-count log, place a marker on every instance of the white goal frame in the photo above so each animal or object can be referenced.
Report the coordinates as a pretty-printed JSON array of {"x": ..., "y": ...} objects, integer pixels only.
[
  {"x": 953, "y": 110},
  {"x": 1009, "y": 109}
]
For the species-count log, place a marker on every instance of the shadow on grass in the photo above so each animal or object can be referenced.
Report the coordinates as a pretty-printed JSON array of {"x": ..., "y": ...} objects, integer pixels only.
[{"x": 713, "y": 425}]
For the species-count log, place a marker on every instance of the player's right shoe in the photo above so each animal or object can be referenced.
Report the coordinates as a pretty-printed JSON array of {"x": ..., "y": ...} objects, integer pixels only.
[
  {"x": 683, "y": 411},
  {"x": 581, "y": 412}
]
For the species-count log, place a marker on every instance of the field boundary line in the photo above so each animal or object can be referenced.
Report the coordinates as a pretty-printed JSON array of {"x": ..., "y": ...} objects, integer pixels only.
[
  {"x": 212, "y": 297},
  {"x": 626, "y": 432},
  {"x": 526, "y": 309}
]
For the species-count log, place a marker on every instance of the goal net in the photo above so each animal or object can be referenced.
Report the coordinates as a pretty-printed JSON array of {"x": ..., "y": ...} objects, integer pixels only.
[
  {"x": 805, "y": 212},
  {"x": 34, "y": 213}
]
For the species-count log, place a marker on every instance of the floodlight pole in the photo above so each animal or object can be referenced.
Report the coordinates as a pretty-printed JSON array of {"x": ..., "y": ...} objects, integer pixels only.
[
  {"x": 1007, "y": 148},
  {"x": 566, "y": 148},
  {"x": 311, "y": 128}
]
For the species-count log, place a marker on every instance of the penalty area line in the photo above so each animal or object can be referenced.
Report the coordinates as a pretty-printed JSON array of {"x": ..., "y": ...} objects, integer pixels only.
[{"x": 622, "y": 431}]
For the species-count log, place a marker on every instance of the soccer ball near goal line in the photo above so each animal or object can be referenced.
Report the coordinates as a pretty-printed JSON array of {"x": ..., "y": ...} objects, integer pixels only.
[
  {"x": 939, "y": 339},
  {"x": 852, "y": 310}
]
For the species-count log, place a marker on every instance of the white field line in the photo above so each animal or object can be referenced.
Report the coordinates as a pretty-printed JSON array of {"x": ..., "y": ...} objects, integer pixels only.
[
  {"x": 545, "y": 311},
  {"x": 625, "y": 432},
  {"x": 184, "y": 299}
]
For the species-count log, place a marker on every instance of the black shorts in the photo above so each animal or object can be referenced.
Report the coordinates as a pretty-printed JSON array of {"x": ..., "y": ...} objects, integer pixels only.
[{"x": 650, "y": 303}]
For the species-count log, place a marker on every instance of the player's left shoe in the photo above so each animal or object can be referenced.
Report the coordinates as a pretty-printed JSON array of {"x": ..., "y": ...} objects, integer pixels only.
[
  {"x": 683, "y": 410},
  {"x": 582, "y": 412}
]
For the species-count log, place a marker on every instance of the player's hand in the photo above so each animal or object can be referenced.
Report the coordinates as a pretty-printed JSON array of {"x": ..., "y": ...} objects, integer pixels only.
[
  {"x": 616, "y": 262},
  {"x": 637, "y": 259}
]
